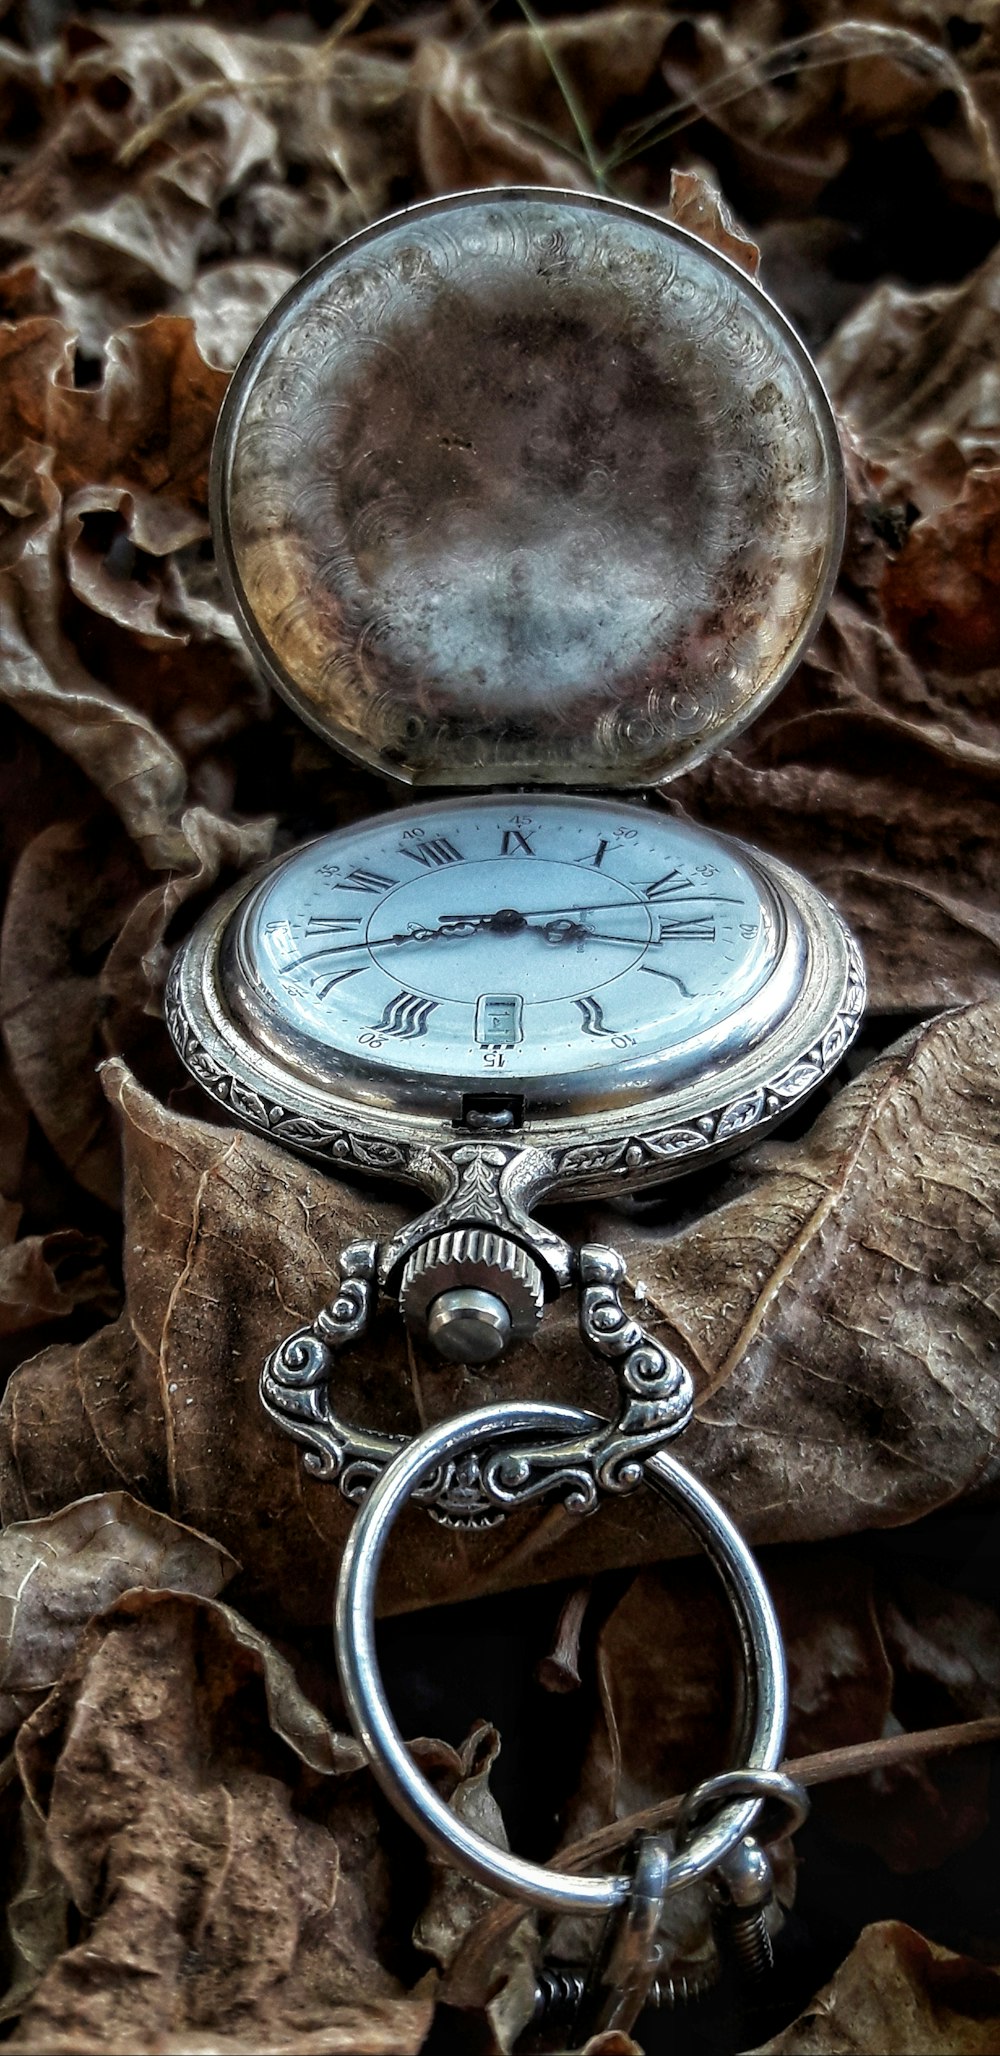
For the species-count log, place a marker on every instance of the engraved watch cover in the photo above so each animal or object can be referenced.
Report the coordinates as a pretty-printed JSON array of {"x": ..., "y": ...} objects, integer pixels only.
[{"x": 527, "y": 487}]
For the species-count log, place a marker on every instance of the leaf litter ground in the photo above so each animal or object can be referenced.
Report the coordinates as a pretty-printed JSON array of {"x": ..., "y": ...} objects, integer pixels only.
[{"x": 193, "y": 1858}]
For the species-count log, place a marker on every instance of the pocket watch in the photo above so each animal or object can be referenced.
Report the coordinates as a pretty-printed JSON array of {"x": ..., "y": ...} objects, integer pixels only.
[{"x": 527, "y": 500}]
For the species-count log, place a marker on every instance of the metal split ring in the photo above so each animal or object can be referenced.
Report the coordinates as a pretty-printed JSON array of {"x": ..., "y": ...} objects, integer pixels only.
[
  {"x": 781, "y": 1794},
  {"x": 765, "y": 1696}
]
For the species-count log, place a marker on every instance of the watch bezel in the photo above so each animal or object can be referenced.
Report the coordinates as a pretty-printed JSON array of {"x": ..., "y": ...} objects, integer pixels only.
[{"x": 589, "y": 1151}]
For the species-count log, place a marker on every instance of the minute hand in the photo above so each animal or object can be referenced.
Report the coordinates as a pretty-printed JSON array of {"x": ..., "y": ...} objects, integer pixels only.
[{"x": 714, "y": 899}]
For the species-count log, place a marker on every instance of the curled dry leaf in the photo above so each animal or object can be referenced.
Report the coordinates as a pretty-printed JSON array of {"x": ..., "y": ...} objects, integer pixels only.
[
  {"x": 70, "y": 896},
  {"x": 110, "y": 501},
  {"x": 37, "y": 1912},
  {"x": 148, "y": 426},
  {"x": 913, "y": 374},
  {"x": 607, "y": 59},
  {"x": 897, "y": 1994},
  {"x": 228, "y": 302},
  {"x": 83, "y": 963},
  {"x": 942, "y": 593},
  {"x": 456, "y": 1901},
  {"x": 44, "y": 681},
  {"x": 13, "y": 1150},
  {"x": 944, "y": 1652},
  {"x": 174, "y": 145},
  {"x": 506, "y": 1997},
  {"x": 464, "y": 141},
  {"x": 499, "y": 115},
  {"x": 876, "y": 771},
  {"x": 880, "y": 782},
  {"x": 222, "y": 1892},
  {"x": 838, "y": 1309},
  {"x": 44, "y": 1277},
  {"x": 56, "y": 1573},
  {"x": 792, "y": 105},
  {"x": 697, "y": 205}
]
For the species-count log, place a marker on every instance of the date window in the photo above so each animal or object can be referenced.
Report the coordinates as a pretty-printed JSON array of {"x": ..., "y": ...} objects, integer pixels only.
[{"x": 498, "y": 1018}]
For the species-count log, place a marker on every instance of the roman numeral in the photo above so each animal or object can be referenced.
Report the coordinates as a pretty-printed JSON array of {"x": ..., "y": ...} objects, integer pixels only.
[
  {"x": 329, "y": 924},
  {"x": 431, "y": 851},
  {"x": 598, "y": 857},
  {"x": 514, "y": 843},
  {"x": 406, "y": 1016},
  {"x": 592, "y": 1014},
  {"x": 655, "y": 972},
  {"x": 693, "y": 928},
  {"x": 360, "y": 880},
  {"x": 673, "y": 885},
  {"x": 323, "y": 986},
  {"x": 593, "y": 1022}
]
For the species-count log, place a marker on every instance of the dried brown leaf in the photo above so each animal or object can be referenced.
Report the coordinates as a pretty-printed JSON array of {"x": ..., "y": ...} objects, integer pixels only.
[
  {"x": 555, "y": 77},
  {"x": 944, "y": 1649},
  {"x": 84, "y": 961},
  {"x": 13, "y": 1150},
  {"x": 913, "y": 374},
  {"x": 463, "y": 140},
  {"x": 56, "y": 1573},
  {"x": 70, "y": 896},
  {"x": 791, "y": 105},
  {"x": 213, "y": 1901},
  {"x": 148, "y": 426},
  {"x": 45, "y": 682},
  {"x": 898, "y": 1995},
  {"x": 942, "y": 593},
  {"x": 697, "y": 205},
  {"x": 838, "y": 1308},
  {"x": 506, "y": 1996},
  {"x": 880, "y": 781},
  {"x": 456, "y": 1901},
  {"x": 228, "y": 302},
  {"x": 170, "y": 148},
  {"x": 44, "y": 1277},
  {"x": 37, "y": 1913}
]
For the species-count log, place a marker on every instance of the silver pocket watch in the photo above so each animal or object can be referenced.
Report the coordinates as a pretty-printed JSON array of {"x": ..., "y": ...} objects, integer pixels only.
[{"x": 528, "y": 501}]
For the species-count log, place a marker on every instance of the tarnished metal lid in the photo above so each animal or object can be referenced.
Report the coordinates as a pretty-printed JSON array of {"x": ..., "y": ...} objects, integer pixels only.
[{"x": 527, "y": 487}]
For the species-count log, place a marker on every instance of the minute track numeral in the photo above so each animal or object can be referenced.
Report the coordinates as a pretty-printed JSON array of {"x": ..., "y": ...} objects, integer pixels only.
[{"x": 432, "y": 851}]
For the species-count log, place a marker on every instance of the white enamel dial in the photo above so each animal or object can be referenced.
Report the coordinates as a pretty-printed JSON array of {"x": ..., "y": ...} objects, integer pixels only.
[{"x": 537, "y": 945}]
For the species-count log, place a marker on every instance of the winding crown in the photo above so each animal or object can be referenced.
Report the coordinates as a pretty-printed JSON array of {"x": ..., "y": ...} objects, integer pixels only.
[{"x": 468, "y": 1285}]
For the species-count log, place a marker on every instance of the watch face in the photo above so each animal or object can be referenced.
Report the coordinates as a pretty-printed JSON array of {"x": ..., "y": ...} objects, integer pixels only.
[{"x": 567, "y": 952}]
